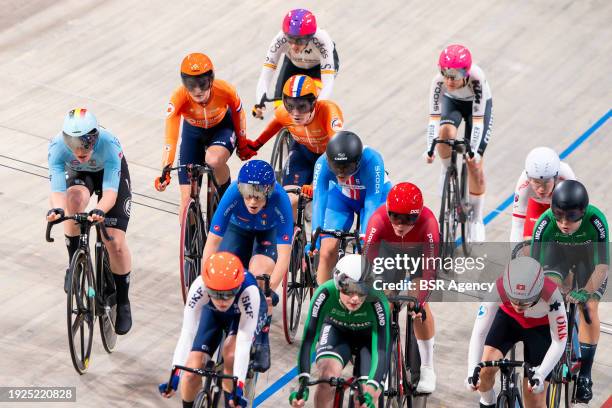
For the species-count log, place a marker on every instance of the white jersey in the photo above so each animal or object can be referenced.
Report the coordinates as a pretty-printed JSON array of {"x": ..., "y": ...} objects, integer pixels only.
[
  {"x": 248, "y": 301},
  {"x": 476, "y": 90},
  {"x": 523, "y": 193},
  {"x": 319, "y": 51}
]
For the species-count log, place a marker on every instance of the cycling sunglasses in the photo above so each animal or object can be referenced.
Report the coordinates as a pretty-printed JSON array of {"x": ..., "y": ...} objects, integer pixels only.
[
  {"x": 257, "y": 191},
  {"x": 203, "y": 82},
  {"x": 569, "y": 215},
  {"x": 298, "y": 40},
  {"x": 403, "y": 219},
  {"x": 299, "y": 105},
  {"x": 541, "y": 182},
  {"x": 222, "y": 294},
  {"x": 354, "y": 289},
  {"x": 454, "y": 73}
]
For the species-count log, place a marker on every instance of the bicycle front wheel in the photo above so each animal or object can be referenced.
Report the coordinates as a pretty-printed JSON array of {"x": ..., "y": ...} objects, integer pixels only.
[
  {"x": 553, "y": 397},
  {"x": 280, "y": 152},
  {"x": 467, "y": 212},
  {"x": 108, "y": 299},
  {"x": 395, "y": 390},
  {"x": 202, "y": 399},
  {"x": 80, "y": 310},
  {"x": 448, "y": 217},
  {"x": 191, "y": 246},
  {"x": 294, "y": 288}
]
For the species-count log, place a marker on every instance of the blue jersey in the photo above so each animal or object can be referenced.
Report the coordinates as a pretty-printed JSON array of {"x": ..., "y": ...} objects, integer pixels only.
[
  {"x": 107, "y": 155},
  {"x": 277, "y": 213},
  {"x": 364, "y": 190}
]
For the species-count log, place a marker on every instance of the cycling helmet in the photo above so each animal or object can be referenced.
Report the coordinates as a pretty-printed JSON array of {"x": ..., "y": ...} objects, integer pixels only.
[
  {"x": 80, "y": 129},
  {"x": 348, "y": 274},
  {"x": 344, "y": 152},
  {"x": 300, "y": 93},
  {"x": 542, "y": 163},
  {"x": 570, "y": 200},
  {"x": 299, "y": 24},
  {"x": 223, "y": 275},
  {"x": 455, "y": 60},
  {"x": 256, "y": 179},
  {"x": 197, "y": 71},
  {"x": 404, "y": 203},
  {"x": 523, "y": 280}
]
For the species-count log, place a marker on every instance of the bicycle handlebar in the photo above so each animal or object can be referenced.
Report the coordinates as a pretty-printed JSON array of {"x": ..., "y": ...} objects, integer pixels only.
[
  {"x": 262, "y": 103},
  {"x": 417, "y": 308},
  {"x": 503, "y": 363},
  {"x": 205, "y": 372},
  {"x": 334, "y": 382},
  {"x": 453, "y": 143},
  {"x": 80, "y": 218},
  {"x": 191, "y": 167},
  {"x": 336, "y": 234}
]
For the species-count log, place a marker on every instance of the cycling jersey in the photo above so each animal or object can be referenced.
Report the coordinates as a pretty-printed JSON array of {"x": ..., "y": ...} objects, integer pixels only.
[
  {"x": 372, "y": 318},
  {"x": 525, "y": 198},
  {"x": 476, "y": 91},
  {"x": 107, "y": 154},
  {"x": 318, "y": 51},
  {"x": 277, "y": 213},
  {"x": 223, "y": 97},
  {"x": 326, "y": 122},
  {"x": 334, "y": 203},
  {"x": 549, "y": 310},
  {"x": 249, "y": 308}
]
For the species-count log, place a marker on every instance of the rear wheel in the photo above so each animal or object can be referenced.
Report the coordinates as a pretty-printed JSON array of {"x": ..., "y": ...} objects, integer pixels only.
[
  {"x": 280, "y": 151},
  {"x": 468, "y": 212},
  {"x": 80, "y": 310},
  {"x": 191, "y": 246},
  {"x": 108, "y": 297},
  {"x": 294, "y": 288}
]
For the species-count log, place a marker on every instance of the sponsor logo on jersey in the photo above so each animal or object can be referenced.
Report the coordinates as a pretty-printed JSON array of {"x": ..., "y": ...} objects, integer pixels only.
[
  {"x": 516, "y": 198},
  {"x": 285, "y": 237},
  {"x": 377, "y": 177},
  {"x": 600, "y": 227},
  {"x": 371, "y": 234},
  {"x": 380, "y": 313},
  {"x": 127, "y": 206},
  {"x": 336, "y": 124},
  {"x": 170, "y": 109},
  {"x": 196, "y": 297},
  {"x": 561, "y": 327},
  {"x": 538, "y": 234},
  {"x": 317, "y": 304},
  {"x": 325, "y": 334},
  {"x": 482, "y": 312},
  {"x": 477, "y": 88},
  {"x": 217, "y": 228},
  {"x": 436, "y": 97},
  {"x": 320, "y": 46},
  {"x": 246, "y": 303}
]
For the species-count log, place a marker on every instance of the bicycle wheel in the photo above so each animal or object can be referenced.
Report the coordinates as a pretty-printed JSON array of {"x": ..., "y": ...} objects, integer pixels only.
[
  {"x": 553, "y": 394},
  {"x": 412, "y": 358},
  {"x": 191, "y": 246},
  {"x": 107, "y": 295},
  {"x": 448, "y": 217},
  {"x": 467, "y": 212},
  {"x": 503, "y": 402},
  {"x": 294, "y": 288},
  {"x": 212, "y": 202},
  {"x": 80, "y": 310},
  {"x": 280, "y": 151},
  {"x": 202, "y": 399},
  {"x": 395, "y": 390}
]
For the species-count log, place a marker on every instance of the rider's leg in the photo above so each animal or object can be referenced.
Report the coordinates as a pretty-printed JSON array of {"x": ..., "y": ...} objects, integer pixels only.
[
  {"x": 229, "y": 349},
  {"x": 487, "y": 376},
  {"x": 447, "y": 131},
  {"x": 424, "y": 332},
  {"x": 324, "y": 394},
  {"x": 589, "y": 337},
  {"x": 328, "y": 256},
  {"x": 476, "y": 182},
  {"x": 298, "y": 170},
  {"x": 531, "y": 400},
  {"x": 121, "y": 264},
  {"x": 191, "y": 383},
  {"x": 77, "y": 198}
]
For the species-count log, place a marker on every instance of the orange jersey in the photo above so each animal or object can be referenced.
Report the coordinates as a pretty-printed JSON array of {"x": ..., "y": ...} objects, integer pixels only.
[
  {"x": 327, "y": 121},
  {"x": 223, "y": 97}
]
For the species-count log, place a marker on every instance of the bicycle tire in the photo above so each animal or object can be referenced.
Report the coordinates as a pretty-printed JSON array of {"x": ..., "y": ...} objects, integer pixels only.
[
  {"x": 517, "y": 251},
  {"x": 395, "y": 395},
  {"x": 447, "y": 218},
  {"x": 191, "y": 247},
  {"x": 107, "y": 293},
  {"x": 503, "y": 402},
  {"x": 280, "y": 152},
  {"x": 466, "y": 208},
  {"x": 412, "y": 358},
  {"x": 202, "y": 399},
  {"x": 553, "y": 394},
  {"x": 294, "y": 288},
  {"x": 81, "y": 295}
]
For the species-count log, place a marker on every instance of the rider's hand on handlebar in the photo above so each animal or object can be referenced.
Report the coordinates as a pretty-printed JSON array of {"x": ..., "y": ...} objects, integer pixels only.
[
  {"x": 258, "y": 111},
  {"x": 160, "y": 185},
  {"x": 55, "y": 214},
  {"x": 96, "y": 215},
  {"x": 307, "y": 191},
  {"x": 427, "y": 158},
  {"x": 578, "y": 296},
  {"x": 536, "y": 382},
  {"x": 469, "y": 386},
  {"x": 474, "y": 160},
  {"x": 168, "y": 391}
]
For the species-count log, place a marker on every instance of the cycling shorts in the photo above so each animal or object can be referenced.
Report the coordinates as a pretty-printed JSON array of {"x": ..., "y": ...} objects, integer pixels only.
[
  {"x": 212, "y": 325},
  {"x": 299, "y": 167},
  {"x": 246, "y": 243},
  {"x": 453, "y": 110},
  {"x": 343, "y": 344}
]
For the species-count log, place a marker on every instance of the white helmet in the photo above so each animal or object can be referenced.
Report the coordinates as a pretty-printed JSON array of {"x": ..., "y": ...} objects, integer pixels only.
[
  {"x": 348, "y": 275},
  {"x": 80, "y": 129},
  {"x": 523, "y": 280},
  {"x": 542, "y": 163}
]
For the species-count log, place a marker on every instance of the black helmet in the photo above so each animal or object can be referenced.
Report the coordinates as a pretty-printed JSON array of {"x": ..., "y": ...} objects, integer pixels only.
[
  {"x": 344, "y": 152},
  {"x": 569, "y": 199}
]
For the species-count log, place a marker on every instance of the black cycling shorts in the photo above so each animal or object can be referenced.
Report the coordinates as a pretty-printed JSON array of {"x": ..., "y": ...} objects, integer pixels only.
[
  {"x": 453, "y": 110},
  {"x": 343, "y": 344}
]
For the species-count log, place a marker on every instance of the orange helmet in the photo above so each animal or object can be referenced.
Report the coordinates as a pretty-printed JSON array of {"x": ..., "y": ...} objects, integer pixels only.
[
  {"x": 300, "y": 86},
  {"x": 223, "y": 272},
  {"x": 197, "y": 71}
]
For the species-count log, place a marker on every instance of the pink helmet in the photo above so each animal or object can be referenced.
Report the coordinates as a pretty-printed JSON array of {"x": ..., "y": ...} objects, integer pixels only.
[
  {"x": 457, "y": 57},
  {"x": 299, "y": 23}
]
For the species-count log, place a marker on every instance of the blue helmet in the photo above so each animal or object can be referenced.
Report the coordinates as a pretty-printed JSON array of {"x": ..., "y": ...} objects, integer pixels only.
[
  {"x": 256, "y": 178},
  {"x": 80, "y": 129}
]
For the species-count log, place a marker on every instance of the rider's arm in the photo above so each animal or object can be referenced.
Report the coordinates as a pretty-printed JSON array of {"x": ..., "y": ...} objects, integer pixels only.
[
  {"x": 57, "y": 157},
  {"x": 431, "y": 249},
  {"x": 112, "y": 173},
  {"x": 284, "y": 234},
  {"x": 557, "y": 319},
  {"x": 484, "y": 319},
  {"x": 320, "y": 183},
  {"x": 372, "y": 236},
  {"x": 249, "y": 316},
  {"x": 238, "y": 115},
  {"x": 374, "y": 181},
  {"x": 196, "y": 299},
  {"x": 277, "y": 47},
  {"x": 317, "y": 311},
  {"x": 538, "y": 241},
  {"x": 519, "y": 208},
  {"x": 273, "y": 127},
  {"x": 223, "y": 214},
  {"x": 477, "y": 78},
  {"x": 602, "y": 251},
  {"x": 435, "y": 109},
  {"x": 328, "y": 70},
  {"x": 380, "y": 342},
  {"x": 173, "y": 122}
]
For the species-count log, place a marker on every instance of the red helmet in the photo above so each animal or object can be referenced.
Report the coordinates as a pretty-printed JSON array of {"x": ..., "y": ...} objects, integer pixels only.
[
  {"x": 299, "y": 23},
  {"x": 405, "y": 199},
  {"x": 223, "y": 271}
]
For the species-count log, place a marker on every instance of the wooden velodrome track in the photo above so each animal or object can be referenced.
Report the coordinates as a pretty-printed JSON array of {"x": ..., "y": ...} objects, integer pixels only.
[{"x": 548, "y": 64}]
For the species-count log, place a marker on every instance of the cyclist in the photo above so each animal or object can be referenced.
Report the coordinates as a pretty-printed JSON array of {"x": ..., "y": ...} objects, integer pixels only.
[
  {"x": 225, "y": 299},
  {"x": 543, "y": 170},
  {"x": 85, "y": 159},
  {"x": 409, "y": 227},
  {"x": 346, "y": 317},
  {"x": 254, "y": 221},
  {"x": 349, "y": 179},
  {"x": 213, "y": 123},
  {"x": 532, "y": 311},
  {"x": 311, "y": 124},
  {"x": 573, "y": 236},
  {"x": 308, "y": 50},
  {"x": 461, "y": 91}
]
